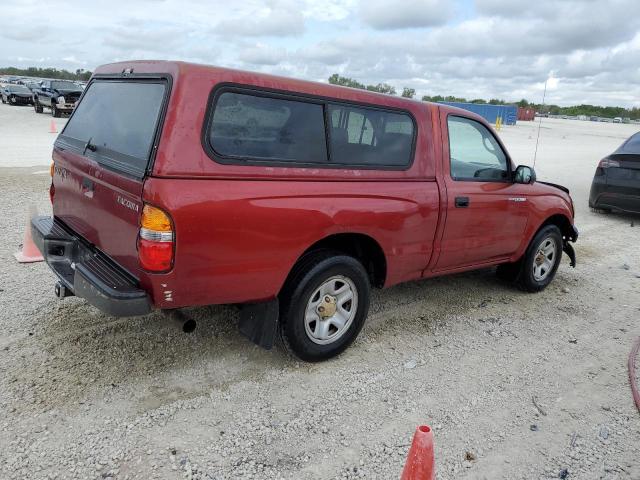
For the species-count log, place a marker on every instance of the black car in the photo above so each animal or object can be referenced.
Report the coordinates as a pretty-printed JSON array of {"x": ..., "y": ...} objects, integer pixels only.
[
  {"x": 616, "y": 184},
  {"x": 17, "y": 95}
]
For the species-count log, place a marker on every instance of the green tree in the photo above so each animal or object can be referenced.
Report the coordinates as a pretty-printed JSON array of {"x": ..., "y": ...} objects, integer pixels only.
[
  {"x": 336, "y": 79},
  {"x": 48, "y": 72},
  {"x": 408, "y": 92},
  {"x": 434, "y": 98},
  {"x": 382, "y": 88}
]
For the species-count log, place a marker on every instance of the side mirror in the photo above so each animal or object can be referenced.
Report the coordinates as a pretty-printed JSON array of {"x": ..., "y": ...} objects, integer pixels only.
[{"x": 524, "y": 174}]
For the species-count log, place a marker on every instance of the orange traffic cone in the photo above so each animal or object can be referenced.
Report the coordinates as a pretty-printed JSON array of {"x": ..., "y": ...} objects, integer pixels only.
[
  {"x": 30, "y": 252},
  {"x": 420, "y": 461},
  {"x": 52, "y": 127}
]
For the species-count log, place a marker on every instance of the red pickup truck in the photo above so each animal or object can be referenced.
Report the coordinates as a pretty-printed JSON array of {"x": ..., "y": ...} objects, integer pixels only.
[{"x": 177, "y": 185}]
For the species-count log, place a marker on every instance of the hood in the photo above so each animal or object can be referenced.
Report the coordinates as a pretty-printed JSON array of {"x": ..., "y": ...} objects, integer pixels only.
[{"x": 69, "y": 91}]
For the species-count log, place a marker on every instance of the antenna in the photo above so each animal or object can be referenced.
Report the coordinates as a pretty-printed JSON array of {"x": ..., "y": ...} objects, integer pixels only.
[{"x": 535, "y": 155}]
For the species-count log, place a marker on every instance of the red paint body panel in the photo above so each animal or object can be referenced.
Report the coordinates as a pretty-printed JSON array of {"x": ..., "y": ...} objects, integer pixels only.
[
  {"x": 240, "y": 229},
  {"x": 237, "y": 240},
  {"x": 95, "y": 210}
]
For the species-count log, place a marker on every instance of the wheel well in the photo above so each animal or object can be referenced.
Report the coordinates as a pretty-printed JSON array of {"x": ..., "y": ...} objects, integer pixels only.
[
  {"x": 563, "y": 223},
  {"x": 359, "y": 246}
]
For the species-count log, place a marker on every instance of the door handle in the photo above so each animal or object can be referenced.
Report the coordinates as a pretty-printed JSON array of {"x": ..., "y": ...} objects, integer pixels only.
[{"x": 462, "y": 202}]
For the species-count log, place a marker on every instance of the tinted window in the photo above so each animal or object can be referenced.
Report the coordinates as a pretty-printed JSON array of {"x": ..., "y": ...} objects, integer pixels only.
[
  {"x": 265, "y": 128},
  {"x": 632, "y": 145},
  {"x": 475, "y": 153},
  {"x": 120, "y": 119},
  {"x": 363, "y": 136}
]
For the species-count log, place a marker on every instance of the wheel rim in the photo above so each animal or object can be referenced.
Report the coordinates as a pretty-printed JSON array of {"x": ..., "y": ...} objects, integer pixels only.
[
  {"x": 331, "y": 310},
  {"x": 544, "y": 259}
]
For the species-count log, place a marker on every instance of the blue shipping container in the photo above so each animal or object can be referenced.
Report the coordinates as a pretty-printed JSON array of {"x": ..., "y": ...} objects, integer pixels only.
[{"x": 489, "y": 112}]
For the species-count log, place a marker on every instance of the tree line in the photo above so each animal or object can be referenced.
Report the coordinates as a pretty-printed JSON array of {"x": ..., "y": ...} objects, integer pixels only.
[
  {"x": 53, "y": 73},
  {"x": 588, "y": 110}
]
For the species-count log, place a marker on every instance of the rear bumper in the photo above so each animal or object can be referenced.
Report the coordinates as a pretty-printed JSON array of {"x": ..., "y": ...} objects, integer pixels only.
[
  {"x": 608, "y": 195},
  {"x": 87, "y": 272}
]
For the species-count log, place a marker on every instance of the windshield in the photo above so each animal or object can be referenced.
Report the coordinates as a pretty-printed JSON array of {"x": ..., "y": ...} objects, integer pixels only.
[{"x": 64, "y": 86}]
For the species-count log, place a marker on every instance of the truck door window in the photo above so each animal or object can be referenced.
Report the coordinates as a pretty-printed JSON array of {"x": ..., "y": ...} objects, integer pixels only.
[
  {"x": 475, "y": 154},
  {"x": 370, "y": 137}
]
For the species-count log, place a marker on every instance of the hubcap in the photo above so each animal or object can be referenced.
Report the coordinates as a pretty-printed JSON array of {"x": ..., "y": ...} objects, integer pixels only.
[
  {"x": 330, "y": 310},
  {"x": 544, "y": 259}
]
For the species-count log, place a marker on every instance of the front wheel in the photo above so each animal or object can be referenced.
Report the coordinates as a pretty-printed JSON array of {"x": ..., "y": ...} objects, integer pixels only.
[
  {"x": 542, "y": 259},
  {"x": 54, "y": 110},
  {"x": 324, "y": 305}
]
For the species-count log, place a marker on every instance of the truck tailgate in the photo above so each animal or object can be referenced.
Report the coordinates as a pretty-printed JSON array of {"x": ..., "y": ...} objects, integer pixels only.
[{"x": 101, "y": 159}]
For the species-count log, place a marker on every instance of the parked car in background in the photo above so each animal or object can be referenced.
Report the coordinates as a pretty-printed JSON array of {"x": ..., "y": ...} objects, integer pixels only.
[
  {"x": 32, "y": 85},
  {"x": 616, "y": 183},
  {"x": 58, "y": 95},
  {"x": 178, "y": 185},
  {"x": 15, "y": 94}
]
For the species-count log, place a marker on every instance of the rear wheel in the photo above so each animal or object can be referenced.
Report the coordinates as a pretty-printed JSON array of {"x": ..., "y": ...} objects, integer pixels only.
[
  {"x": 36, "y": 106},
  {"x": 324, "y": 305}
]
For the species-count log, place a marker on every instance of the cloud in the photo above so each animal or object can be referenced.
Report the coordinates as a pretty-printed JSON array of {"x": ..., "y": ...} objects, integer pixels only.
[
  {"x": 277, "y": 18},
  {"x": 470, "y": 48},
  {"x": 261, "y": 54},
  {"x": 385, "y": 15}
]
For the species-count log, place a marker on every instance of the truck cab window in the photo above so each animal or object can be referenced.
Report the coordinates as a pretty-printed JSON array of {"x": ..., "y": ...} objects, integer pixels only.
[{"x": 475, "y": 154}]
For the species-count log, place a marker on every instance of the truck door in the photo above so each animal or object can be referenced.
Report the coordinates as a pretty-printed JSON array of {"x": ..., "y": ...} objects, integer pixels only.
[{"x": 486, "y": 212}]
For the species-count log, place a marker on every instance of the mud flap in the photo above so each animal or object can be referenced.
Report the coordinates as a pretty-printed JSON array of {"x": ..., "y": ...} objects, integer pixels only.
[
  {"x": 259, "y": 322},
  {"x": 571, "y": 253}
]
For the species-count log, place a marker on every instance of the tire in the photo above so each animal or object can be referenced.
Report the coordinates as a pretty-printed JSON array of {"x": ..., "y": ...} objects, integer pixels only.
[
  {"x": 316, "y": 284},
  {"x": 533, "y": 276},
  {"x": 3, "y": 100},
  {"x": 54, "y": 110},
  {"x": 36, "y": 106}
]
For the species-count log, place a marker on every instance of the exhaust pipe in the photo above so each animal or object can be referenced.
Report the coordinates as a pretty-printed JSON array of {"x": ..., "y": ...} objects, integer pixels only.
[{"x": 180, "y": 320}]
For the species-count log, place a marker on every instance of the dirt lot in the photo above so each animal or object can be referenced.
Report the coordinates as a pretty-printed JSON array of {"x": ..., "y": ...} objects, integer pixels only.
[{"x": 84, "y": 395}]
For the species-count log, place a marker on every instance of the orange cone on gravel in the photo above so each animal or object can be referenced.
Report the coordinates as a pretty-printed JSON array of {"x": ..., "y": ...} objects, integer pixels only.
[
  {"x": 420, "y": 461},
  {"x": 52, "y": 127},
  {"x": 29, "y": 252}
]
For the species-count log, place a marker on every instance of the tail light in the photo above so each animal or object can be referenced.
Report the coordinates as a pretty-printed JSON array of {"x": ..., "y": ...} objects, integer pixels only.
[
  {"x": 52, "y": 189},
  {"x": 156, "y": 240},
  {"x": 608, "y": 163}
]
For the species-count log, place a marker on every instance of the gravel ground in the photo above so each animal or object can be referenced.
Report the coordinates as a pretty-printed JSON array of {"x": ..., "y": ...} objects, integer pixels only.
[{"x": 515, "y": 386}]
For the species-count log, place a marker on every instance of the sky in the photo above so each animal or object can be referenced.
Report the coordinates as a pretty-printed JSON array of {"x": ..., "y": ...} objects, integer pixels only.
[{"x": 588, "y": 51}]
